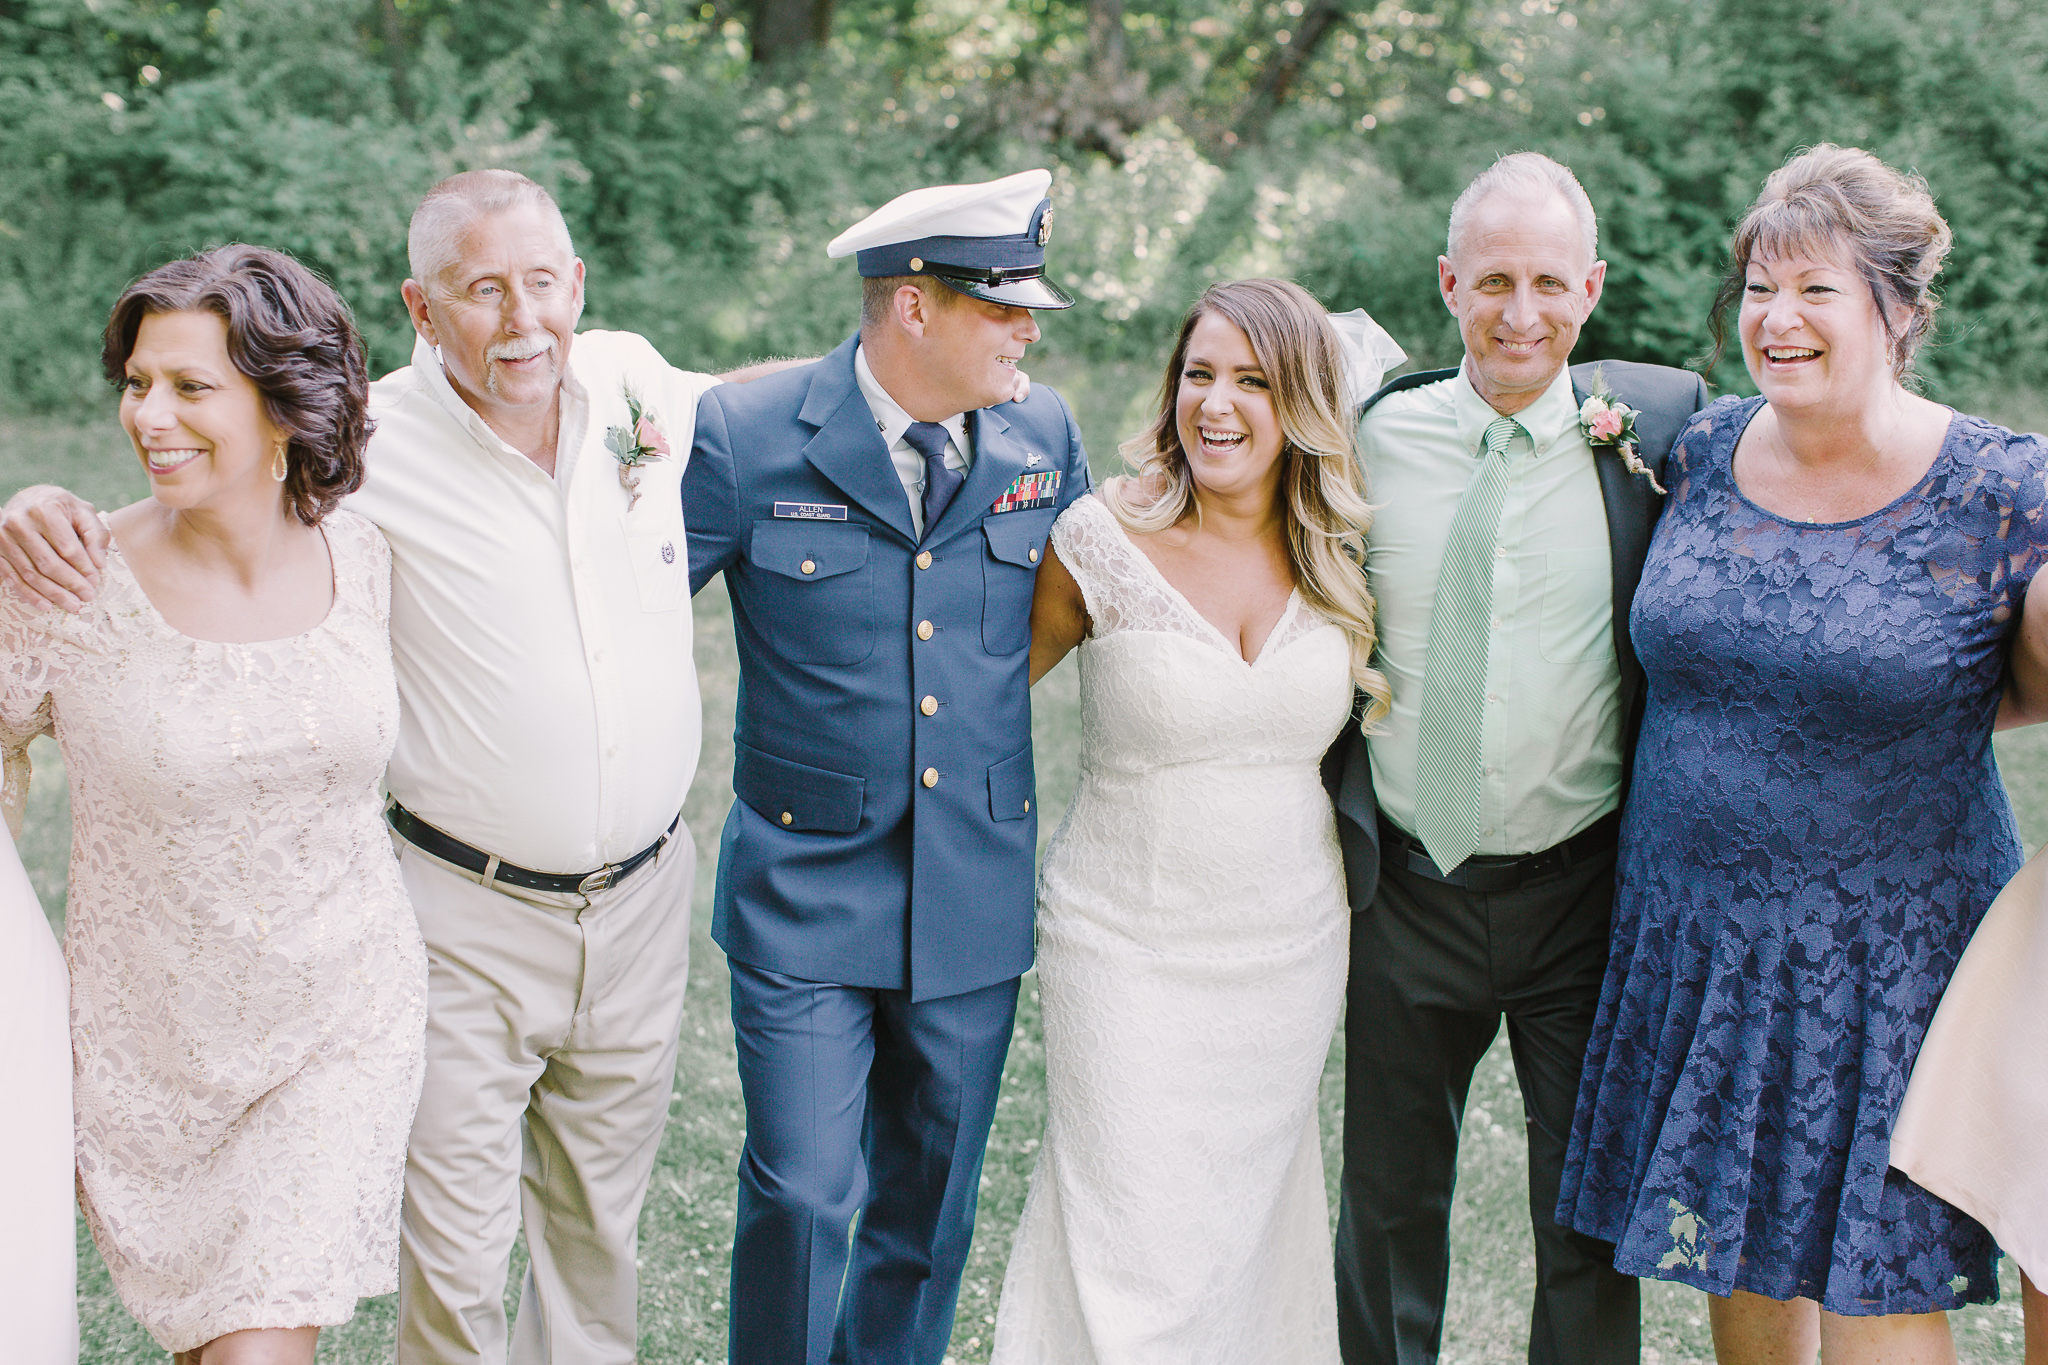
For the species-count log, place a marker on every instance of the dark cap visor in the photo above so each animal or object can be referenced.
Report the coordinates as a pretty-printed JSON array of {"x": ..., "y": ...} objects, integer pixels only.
[{"x": 1033, "y": 292}]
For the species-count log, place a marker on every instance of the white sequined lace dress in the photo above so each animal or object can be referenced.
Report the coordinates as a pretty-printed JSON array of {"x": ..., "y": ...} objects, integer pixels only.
[
  {"x": 248, "y": 988},
  {"x": 1192, "y": 953}
]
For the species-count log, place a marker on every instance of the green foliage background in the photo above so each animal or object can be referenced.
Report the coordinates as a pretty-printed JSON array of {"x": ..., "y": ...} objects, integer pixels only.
[
  {"x": 701, "y": 186},
  {"x": 1189, "y": 144}
]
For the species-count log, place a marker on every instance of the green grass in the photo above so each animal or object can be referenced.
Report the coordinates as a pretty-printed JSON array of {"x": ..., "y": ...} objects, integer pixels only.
[{"x": 687, "y": 1227}]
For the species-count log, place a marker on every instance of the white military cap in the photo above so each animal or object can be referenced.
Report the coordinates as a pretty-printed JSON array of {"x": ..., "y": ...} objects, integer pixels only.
[{"x": 986, "y": 240}]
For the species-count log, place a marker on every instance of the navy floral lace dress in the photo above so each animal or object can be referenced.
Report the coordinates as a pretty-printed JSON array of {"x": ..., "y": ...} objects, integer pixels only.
[{"x": 1815, "y": 828}]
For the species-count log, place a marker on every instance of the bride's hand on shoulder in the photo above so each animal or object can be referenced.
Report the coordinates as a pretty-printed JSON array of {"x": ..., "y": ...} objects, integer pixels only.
[{"x": 1059, "y": 616}]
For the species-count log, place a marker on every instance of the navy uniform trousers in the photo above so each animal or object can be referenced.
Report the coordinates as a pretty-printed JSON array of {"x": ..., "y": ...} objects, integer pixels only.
[{"x": 875, "y": 889}]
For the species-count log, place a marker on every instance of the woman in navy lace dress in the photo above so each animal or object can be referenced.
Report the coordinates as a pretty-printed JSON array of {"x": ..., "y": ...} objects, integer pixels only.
[{"x": 1817, "y": 822}]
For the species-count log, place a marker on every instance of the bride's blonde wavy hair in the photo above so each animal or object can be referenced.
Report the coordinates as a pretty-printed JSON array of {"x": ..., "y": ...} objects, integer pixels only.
[{"x": 1321, "y": 483}]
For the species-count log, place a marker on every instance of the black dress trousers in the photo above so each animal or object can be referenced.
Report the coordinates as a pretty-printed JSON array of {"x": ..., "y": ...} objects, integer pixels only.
[{"x": 1434, "y": 968}]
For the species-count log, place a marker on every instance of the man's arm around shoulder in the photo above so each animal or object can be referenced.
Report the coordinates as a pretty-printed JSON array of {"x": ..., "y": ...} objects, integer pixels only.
[
  {"x": 711, "y": 493},
  {"x": 52, "y": 547}
]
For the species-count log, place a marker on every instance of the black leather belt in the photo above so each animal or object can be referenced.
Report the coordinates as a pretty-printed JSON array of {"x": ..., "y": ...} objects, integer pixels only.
[
  {"x": 446, "y": 847},
  {"x": 1486, "y": 872}
]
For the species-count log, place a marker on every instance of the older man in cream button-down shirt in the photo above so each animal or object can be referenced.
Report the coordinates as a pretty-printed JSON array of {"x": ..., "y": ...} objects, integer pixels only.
[
  {"x": 541, "y": 628},
  {"x": 566, "y": 701}
]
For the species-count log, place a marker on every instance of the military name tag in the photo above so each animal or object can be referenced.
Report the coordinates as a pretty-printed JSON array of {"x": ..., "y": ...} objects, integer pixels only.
[
  {"x": 812, "y": 511},
  {"x": 1027, "y": 491}
]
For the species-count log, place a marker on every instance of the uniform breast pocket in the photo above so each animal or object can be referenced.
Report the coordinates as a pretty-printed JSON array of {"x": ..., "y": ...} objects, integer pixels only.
[
  {"x": 813, "y": 599},
  {"x": 1578, "y": 606},
  {"x": 661, "y": 565},
  {"x": 1016, "y": 544}
]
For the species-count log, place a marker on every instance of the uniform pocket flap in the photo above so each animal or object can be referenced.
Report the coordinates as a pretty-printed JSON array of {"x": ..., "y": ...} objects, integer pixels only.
[
  {"x": 797, "y": 796},
  {"x": 808, "y": 550},
  {"x": 1018, "y": 537},
  {"x": 1010, "y": 786}
]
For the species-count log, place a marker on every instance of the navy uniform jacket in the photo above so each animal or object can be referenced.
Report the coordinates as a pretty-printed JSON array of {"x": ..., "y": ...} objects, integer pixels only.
[{"x": 885, "y": 829}]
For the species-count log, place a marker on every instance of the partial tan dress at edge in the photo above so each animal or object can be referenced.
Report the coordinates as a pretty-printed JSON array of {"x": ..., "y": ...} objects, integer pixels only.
[
  {"x": 1974, "y": 1125},
  {"x": 248, "y": 989}
]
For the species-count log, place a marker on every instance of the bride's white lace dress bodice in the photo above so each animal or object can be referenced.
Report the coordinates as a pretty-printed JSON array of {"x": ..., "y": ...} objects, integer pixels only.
[
  {"x": 248, "y": 987},
  {"x": 1192, "y": 956}
]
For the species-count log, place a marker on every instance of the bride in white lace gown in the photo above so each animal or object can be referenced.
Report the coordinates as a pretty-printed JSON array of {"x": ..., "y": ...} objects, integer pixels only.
[{"x": 1192, "y": 918}]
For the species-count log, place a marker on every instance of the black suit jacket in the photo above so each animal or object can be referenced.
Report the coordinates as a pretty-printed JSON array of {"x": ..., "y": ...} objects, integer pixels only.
[{"x": 1664, "y": 398}]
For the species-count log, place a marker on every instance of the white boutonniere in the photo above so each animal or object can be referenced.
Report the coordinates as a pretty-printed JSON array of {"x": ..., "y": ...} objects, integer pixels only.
[
  {"x": 633, "y": 446},
  {"x": 1607, "y": 421}
]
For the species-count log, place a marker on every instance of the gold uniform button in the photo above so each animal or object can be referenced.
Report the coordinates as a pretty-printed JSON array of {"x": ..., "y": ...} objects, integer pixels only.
[
  {"x": 924, "y": 630},
  {"x": 788, "y": 819},
  {"x": 1027, "y": 808},
  {"x": 916, "y": 265},
  {"x": 931, "y": 777},
  {"x": 1034, "y": 554},
  {"x": 924, "y": 559},
  {"x": 930, "y": 706},
  {"x": 809, "y": 566}
]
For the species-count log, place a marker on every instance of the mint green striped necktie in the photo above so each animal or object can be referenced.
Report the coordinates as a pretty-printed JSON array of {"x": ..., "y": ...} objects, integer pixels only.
[{"x": 1447, "y": 750}]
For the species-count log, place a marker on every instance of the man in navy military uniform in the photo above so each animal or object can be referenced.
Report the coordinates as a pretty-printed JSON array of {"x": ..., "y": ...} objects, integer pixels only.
[{"x": 879, "y": 517}]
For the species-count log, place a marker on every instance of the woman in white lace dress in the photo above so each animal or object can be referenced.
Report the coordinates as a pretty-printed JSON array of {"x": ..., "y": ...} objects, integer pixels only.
[
  {"x": 247, "y": 982},
  {"x": 1192, "y": 919}
]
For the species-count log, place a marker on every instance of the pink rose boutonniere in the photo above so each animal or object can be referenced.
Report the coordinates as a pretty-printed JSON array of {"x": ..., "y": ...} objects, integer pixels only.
[
  {"x": 1607, "y": 421},
  {"x": 633, "y": 446}
]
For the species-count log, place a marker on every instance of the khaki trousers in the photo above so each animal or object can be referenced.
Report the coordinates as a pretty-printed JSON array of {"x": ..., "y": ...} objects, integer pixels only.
[{"x": 552, "y": 1025}]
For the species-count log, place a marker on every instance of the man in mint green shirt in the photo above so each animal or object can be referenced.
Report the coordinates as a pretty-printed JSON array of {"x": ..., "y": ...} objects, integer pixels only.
[{"x": 1479, "y": 826}]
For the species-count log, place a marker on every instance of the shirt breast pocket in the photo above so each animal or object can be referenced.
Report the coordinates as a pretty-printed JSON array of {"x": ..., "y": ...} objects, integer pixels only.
[
  {"x": 813, "y": 600},
  {"x": 661, "y": 565},
  {"x": 1016, "y": 544},
  {"x": 1578, "y": 606}
]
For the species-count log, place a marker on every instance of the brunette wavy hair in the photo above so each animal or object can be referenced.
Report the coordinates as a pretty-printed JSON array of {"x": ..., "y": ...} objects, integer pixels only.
[
  {"x": 1842, "y": 204},
  {"x": 1322, "y": 487},
  {"x": 295, "y": 340}
]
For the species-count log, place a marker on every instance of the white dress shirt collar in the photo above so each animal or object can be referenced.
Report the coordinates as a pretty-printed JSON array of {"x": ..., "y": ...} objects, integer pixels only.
[
  {"x": 890, "y": 418},
  {"x": 433, "y": 375},
  {"x": 892, "y": 421}
]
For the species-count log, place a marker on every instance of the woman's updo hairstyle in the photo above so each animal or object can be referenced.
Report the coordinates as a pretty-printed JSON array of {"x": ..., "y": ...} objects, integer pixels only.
[
  {"x": 295, "y": 340},
  {"x": 1843, "y": 204}
]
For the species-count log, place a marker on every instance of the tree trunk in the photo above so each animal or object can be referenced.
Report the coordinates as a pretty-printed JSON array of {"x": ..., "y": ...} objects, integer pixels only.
[
  {"x": 394, "y": 51},
  {"x": 1106, "y": 41},
  {"x": 785, "y": 30},
  {"x": 1276, "y": 80}
]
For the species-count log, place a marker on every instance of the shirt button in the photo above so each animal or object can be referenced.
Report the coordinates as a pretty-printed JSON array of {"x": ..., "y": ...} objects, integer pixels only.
[
  {"x": 597, "y": 656},
  {"x": 930, "y": 706},
  {"x": 1487, "y": 830},
  {"x": 1500, "y": 552},
  {"x": 924, "y": 630},
  {"x": 1488, "y": 770},
  {"x": 1034, "y": 554},
  {"x": 611, "y": 751},
  {"x": 924, "y": 559},
  {"x": 788, "y": 819},
  {"x": 1496, "y": 623},
  {"x": 931, "y": 777},
  {"x": 1493, "y": 696},
  {"x": 808, "y": 566}
]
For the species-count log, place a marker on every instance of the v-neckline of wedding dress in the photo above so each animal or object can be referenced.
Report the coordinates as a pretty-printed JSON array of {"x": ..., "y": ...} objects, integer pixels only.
[{"x": 1217, "y": 637}]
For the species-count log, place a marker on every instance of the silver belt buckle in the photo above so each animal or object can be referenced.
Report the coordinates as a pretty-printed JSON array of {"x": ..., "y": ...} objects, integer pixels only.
[{"x": 600, "y": 880}]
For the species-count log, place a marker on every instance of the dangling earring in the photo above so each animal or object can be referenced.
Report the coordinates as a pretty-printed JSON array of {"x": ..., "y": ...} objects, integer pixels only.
[{"x": 278, "y": 468}]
